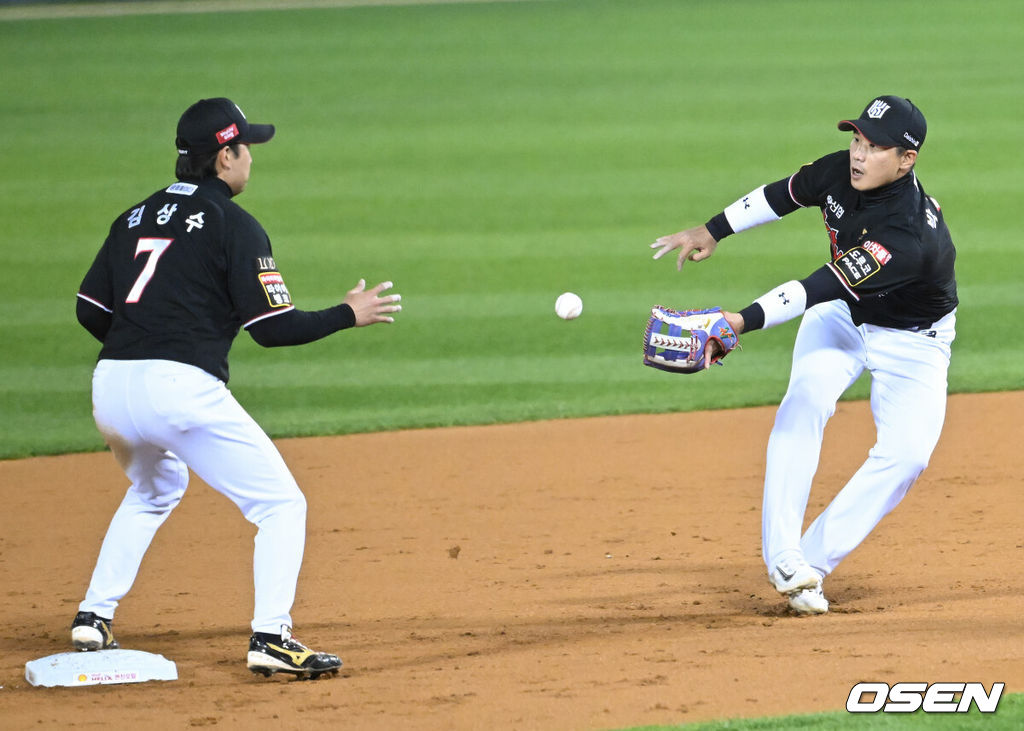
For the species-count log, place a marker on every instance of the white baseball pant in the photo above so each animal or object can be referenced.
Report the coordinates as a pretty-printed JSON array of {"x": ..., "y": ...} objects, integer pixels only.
[
  {"x": 908, "y": 403},
  {"x": 160, "y": 418}
]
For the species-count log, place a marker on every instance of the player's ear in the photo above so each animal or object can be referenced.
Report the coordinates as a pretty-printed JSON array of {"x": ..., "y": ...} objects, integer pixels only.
[
  {"x": 908, "y": 160},
  {"x": 224, "y": 158}
]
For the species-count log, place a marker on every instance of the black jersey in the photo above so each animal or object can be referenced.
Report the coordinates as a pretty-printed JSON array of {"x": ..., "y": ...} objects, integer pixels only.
[
  {"x": 180, "y": 273},
  {"x": 889, "y": 247}
]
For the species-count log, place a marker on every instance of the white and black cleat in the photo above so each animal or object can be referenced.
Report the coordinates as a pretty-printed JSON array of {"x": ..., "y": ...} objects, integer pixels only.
[
  {"x": 91, "y": 632},
  {"x": 270, "y": 654}
]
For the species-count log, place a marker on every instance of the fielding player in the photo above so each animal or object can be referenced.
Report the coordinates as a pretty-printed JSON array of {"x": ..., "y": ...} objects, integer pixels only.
[
  {"x": 179, "y": 273},
  {"x": 885, "y": 301}
]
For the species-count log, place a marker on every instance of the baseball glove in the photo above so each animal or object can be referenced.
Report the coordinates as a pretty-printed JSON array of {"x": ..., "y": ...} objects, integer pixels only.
[{"x": 677, "y": 342}]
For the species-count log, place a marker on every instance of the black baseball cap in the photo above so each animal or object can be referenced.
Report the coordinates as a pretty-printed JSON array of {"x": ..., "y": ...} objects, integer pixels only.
[
  {"x": 891, "y": 121},
  {"x": 210, "y": 124}
]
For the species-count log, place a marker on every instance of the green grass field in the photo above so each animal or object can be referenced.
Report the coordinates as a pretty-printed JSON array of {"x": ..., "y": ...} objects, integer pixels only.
[{"x": 486, "y": 157}]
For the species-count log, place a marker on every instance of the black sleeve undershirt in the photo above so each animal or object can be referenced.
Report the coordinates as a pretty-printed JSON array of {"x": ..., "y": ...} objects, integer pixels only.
[
  {"x": 822, "y": 285},
  {"x": 778, "y": 197},
  {"x": 718, "y": 226},
  {"x": 93, "y": 319},
  {"x": 297, "y": 327},
  {"x": 753, "y": 317}
]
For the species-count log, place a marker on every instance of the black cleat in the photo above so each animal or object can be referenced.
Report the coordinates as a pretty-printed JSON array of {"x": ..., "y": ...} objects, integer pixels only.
[
  {"x": 90, "y": 632},
  {"x": 270, "y": 653}
]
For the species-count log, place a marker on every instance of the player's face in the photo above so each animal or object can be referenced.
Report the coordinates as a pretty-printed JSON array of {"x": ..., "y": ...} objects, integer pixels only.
[
  {"x": 235, "y": 169},
  {"x": 872, "y": 166}
]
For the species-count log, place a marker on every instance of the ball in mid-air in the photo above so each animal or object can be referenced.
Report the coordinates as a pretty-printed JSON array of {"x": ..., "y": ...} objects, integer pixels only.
[{"x": 568, "y": 306}]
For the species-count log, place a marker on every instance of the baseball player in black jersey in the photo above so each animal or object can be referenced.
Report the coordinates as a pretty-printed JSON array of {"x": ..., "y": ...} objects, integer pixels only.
[
  {"x": 177, "y": 277},
  {"x": 885, "y": 301}
]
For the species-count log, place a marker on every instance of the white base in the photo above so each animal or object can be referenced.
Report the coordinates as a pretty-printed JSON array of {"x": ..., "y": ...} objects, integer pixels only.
[{"x": 104, "y": 667}]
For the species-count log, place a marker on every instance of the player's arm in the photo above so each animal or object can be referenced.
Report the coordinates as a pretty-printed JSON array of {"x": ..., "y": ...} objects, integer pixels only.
[
  {"x": 96, "y": 294},
  {"x": 261, "y": 296},
  {"x": 871, "y": 269},
  {"x": 297, "y": 327},
  {"x": 762, "y": 205},
  {"x": 789, "y": 300},
  {"x": 93, "y": 316},
  {"x": 360, "y": 307}
]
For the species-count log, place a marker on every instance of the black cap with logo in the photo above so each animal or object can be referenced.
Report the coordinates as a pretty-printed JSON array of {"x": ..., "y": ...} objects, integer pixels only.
[
  {"x": 890, "y": 121},
  {"x": 210, "y": 124}
]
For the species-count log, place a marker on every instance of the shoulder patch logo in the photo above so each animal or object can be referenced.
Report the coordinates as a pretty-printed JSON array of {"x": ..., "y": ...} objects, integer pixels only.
[
  {"x": 183, "y": 188},
  {"x": 273, "y": 286}
]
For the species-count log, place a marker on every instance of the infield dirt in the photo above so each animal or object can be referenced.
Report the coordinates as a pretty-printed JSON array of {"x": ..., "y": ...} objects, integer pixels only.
[{"x": 579, "y": 574}]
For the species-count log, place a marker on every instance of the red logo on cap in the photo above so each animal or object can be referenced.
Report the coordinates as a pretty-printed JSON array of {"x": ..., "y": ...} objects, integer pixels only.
[{"x": 227, "y": 134}]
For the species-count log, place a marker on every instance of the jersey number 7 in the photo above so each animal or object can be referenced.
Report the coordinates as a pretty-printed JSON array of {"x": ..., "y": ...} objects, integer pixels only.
[{"x": 156, "y": 248}]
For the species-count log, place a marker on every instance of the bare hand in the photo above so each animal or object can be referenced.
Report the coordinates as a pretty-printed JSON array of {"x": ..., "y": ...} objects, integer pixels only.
[
  {"x": 369, "y": 307},
  {"x": 695, "y": 244}
]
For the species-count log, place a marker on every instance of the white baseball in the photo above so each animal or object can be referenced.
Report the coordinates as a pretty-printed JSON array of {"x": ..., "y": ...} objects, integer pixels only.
[{"x": 568, "y": 306}]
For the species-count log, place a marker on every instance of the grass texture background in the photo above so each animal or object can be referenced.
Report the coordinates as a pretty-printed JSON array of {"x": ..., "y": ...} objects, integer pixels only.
[{"x": 486, "y": 157}]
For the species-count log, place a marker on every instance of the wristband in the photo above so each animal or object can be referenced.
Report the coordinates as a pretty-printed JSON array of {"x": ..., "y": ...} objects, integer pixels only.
[
  {"x": 751, "y": 210},
  {"x": 783, "y": 303}
]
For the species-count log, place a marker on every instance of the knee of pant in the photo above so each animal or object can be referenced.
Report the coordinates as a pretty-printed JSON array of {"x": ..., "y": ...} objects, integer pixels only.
[
  {"x": 156, "y": 501},
  {"x": 166, "y": 503},
  {"x": 292, "y": 505},
  {"x": 914, "y": 466},
  {"x": 299, "y": 503},
  {"x": 908, "y": 464},
  {"x": 808, "y": 398}
]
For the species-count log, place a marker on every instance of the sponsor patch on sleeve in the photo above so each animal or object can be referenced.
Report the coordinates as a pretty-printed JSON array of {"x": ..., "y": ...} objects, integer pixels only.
[
  {"x": 858, "y": 264},
  {"x": 273, "y": 286}
]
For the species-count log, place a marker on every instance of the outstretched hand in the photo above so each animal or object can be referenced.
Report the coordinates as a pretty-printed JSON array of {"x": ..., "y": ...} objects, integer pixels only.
[
  {"x": 369, "y": 307},
  {"x": 695, "y": 244}
]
